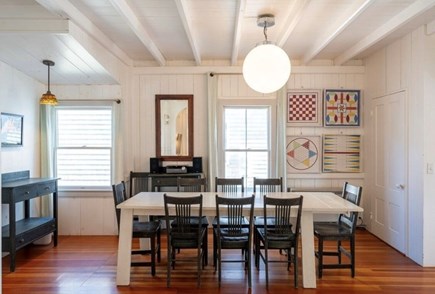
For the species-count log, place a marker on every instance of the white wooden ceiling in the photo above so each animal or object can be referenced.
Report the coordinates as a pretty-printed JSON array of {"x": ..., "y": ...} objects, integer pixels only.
[{"x": 194, "y": 32}]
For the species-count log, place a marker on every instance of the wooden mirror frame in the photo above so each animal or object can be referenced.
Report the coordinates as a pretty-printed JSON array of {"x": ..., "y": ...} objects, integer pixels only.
[{"x": 189, "y": 99}]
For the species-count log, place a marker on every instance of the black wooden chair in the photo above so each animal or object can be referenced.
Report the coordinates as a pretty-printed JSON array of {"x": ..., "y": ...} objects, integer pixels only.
[
  {"x": 194, "y": 185},
  {"x": 187, "y": 234},
  {"x": 342, "y": 230},
  {"x": 139, "y": 182},
  {"x": 234, "y": 234},
  {"x": 282, "y": 235},
  {"x": 263, "y": 186},
  {"x": 149, "y": 230},
  {"x": 191, "y": 184},
  {"x": 230, "y": 186}
]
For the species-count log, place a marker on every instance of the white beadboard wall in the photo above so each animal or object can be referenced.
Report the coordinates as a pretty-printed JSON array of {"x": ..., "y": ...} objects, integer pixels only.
[{"x": 407, "y": 65}]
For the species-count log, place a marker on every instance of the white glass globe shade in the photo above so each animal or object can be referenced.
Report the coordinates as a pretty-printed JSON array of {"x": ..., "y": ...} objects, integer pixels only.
[{"x": 266, "y": 68}]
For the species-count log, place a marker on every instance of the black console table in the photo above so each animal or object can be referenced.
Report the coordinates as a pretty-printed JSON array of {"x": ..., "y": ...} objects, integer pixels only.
[{"x": 19, "y": 187}]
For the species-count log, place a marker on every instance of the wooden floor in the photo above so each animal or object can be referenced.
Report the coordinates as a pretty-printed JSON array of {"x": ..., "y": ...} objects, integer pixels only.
[{"x": 88, "y": 265}]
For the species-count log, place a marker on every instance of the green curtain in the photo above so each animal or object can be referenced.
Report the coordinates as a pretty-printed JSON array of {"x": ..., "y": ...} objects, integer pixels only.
[
  {"x": 281, "y": 126},
  {"x": 212, "y": 84},
  {"x": 46, "y": 137}
]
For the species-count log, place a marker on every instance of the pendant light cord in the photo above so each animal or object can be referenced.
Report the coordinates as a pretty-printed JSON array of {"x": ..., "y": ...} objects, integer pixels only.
[
  {"x": 49, "y": 78},
  {"x": 265, "y": 30}
]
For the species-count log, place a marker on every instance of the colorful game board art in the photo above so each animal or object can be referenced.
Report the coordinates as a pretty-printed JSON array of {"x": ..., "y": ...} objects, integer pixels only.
[
  {"x": 303, "y": 154},
  {"x": 341, "y": 153},
  {"x": 342, "y": 108},
  {"x": 304, "y": 108}
]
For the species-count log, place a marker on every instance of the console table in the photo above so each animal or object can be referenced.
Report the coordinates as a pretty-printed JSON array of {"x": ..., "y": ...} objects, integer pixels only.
[{"x": 19, "y": 187}]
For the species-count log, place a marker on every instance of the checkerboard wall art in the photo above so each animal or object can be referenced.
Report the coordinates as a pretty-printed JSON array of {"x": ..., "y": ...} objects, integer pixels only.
[
  {"x": 342, "y": 108},
  {"x": 304, "y": 108},
  {"x": 303, "y": 154},
  {"x": 341, "y": 153}
]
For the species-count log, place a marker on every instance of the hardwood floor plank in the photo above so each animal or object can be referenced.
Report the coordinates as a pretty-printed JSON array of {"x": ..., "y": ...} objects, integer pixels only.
[{"x": 87, "y": 264}]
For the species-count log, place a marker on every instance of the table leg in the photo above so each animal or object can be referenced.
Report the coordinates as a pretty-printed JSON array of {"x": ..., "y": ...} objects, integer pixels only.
[
  {"x": 124, "y": 248},
  {"x": 308, "y": 257}
]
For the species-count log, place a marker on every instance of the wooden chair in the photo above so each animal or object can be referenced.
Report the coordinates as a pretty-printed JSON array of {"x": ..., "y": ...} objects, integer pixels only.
[
  {"x": 234, "y": 234},
  {"x": 263, "y": 186},
  {"x": 191, "y": 184},
  {"x": 194, "y": 185},
  {"x": 149, "y": 230},
  {"x": 139, "y": 182},
  {"x": 188, "y": 233},
  {"x": 230, "y": 186},
  {"x": 282, "y": 235},
  {"x": 342, "y": 230}
]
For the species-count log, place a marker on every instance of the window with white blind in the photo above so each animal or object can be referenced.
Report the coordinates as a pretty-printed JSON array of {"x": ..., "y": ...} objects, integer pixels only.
[
  {"x": 246, "y": 142},
  {"x": 83, "y": 147}
]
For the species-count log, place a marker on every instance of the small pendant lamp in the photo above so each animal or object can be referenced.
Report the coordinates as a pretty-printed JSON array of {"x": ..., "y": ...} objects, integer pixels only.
[{"x": 48, "y": 98}]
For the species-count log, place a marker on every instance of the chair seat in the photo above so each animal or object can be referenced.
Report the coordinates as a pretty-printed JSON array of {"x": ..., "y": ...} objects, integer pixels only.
[
  {"x": 332, "y": 231},
  {"x": 193, "y": 221},
  {"x": 186, "y": 239},
  {"x": 270, "y": 221},
  {"x": 145, "y": 229},
  {"x": 224, "y": 221}
]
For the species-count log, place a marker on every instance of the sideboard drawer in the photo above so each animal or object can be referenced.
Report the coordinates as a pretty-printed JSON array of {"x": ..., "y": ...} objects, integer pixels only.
[{"x": 46, "y": 188}]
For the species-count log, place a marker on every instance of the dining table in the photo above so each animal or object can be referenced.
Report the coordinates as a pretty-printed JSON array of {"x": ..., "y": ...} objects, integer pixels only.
[{"x": 152, "y": 203}]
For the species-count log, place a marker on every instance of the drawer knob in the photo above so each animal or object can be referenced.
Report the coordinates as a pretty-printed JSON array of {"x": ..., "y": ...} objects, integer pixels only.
[
  {"x": 21, "y": 240},
  {"x": 47, "y": 188},
  {"x": 27, "y": 192}
]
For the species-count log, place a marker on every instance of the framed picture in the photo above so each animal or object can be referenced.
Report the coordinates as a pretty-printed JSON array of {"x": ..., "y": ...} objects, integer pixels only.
[
  {"x": 304, "y": 108},
  {"x": 303, "y": 154},
  {"x": 341, "y": 153},
  {"x": 12, "y": 130},
  {"x": 341, "y": 108}
]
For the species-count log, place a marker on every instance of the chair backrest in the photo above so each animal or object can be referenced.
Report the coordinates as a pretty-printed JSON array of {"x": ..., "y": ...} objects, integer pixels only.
[
  {"x": 186, "y": 212},
  {"x": 191, "y": 184},
  {"x": 267, "y": 185},
  {"x": 139, "y": 182},
  {"x": 352, "y": 194},
  {"x": 118, "y": 197},
  {"x": 231, "y": 185},
  {"x": 233, "y": 209},
  {"x": 285, "y": 210},
  {"x": 158, "y": 182}
]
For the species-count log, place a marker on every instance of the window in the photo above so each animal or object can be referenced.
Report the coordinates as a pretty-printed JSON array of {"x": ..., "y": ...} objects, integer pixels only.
[
  {"x": 246, "y": 142},
  {"x": 83, "y": 147}
]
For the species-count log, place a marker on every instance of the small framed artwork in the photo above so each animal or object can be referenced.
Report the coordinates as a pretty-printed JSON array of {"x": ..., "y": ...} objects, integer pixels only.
[
  {"x": 12, "y": 130},
  {"x": 341, "y": 108},
  {"x": 304, "y": 108},
  {"x": 303, "y": 154},
  {"x": 341, "y": 153}
]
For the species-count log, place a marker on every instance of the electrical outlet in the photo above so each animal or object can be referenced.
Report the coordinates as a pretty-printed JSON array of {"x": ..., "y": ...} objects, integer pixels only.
[{"x": 429, "y": 168}]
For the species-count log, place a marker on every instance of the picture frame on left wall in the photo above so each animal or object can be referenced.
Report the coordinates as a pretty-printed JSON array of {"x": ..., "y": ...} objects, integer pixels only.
[{"x": 12, "y": 129}]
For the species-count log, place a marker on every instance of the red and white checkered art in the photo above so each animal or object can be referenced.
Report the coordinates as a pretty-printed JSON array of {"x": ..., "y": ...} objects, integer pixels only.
[{"x": 304, "y": 108}]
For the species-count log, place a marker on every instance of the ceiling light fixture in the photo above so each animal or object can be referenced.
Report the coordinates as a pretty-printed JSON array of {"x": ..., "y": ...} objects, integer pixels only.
[
  {"x": 266, "y": 67},
  {"x": 48, "y": 98}
]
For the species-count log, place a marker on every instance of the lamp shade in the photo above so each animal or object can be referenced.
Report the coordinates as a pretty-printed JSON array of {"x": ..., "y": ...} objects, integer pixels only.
[
  {"x": 266, "y": 68},
  {"x": 48, "y": 99}
]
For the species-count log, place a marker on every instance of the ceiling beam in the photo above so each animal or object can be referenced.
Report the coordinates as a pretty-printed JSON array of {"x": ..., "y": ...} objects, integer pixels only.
[
  {"x": 345, "y": 20},
  {"x": 187, "y": 23},
  {"x": 65, "y": 9},
  {"x": 138, "y": 28},
  {"x": 294, "y": 15},
  {"x": 21, "y": 25},
  {"x": 238, "y": 31},
  {"x": 400, "y": 19}
]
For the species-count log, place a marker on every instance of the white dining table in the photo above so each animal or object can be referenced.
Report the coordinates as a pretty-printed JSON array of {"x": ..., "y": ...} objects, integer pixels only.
[{"x": 151, "y": 203}]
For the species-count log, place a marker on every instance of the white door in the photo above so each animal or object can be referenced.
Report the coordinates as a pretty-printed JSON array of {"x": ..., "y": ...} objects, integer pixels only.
[{"x": 388, "y": 202}]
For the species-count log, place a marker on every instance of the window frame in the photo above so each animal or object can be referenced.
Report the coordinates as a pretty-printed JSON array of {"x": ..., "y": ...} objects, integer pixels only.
[
  {"x": 87, "y": 106},
  {"x": 246, "y": 103}
]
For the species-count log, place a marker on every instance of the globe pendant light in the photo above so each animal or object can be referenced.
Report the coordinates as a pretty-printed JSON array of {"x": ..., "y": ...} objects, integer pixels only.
[
  {"x": 48, "y": 98},
  {"x": 267, "y": 67}
]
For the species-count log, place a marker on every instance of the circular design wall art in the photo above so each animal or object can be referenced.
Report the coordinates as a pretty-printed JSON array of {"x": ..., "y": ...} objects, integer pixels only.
[{"x": 303, "y": 154}]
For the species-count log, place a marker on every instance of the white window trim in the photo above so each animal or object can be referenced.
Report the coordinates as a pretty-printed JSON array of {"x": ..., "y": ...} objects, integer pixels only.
[
  {"x": 255, "y": 102},
  {"x": 85, "y": 105}
]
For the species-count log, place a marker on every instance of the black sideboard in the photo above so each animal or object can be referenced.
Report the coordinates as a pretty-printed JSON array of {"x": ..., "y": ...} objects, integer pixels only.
[{"x": 19, "y": 187}]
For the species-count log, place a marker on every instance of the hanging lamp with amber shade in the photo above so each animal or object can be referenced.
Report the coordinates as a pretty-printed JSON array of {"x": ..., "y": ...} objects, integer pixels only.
[{"x": 48, "y": 98}]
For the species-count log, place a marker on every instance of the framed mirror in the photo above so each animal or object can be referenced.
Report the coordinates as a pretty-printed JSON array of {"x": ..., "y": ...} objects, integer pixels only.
[{"x": 174, "y": 127}]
